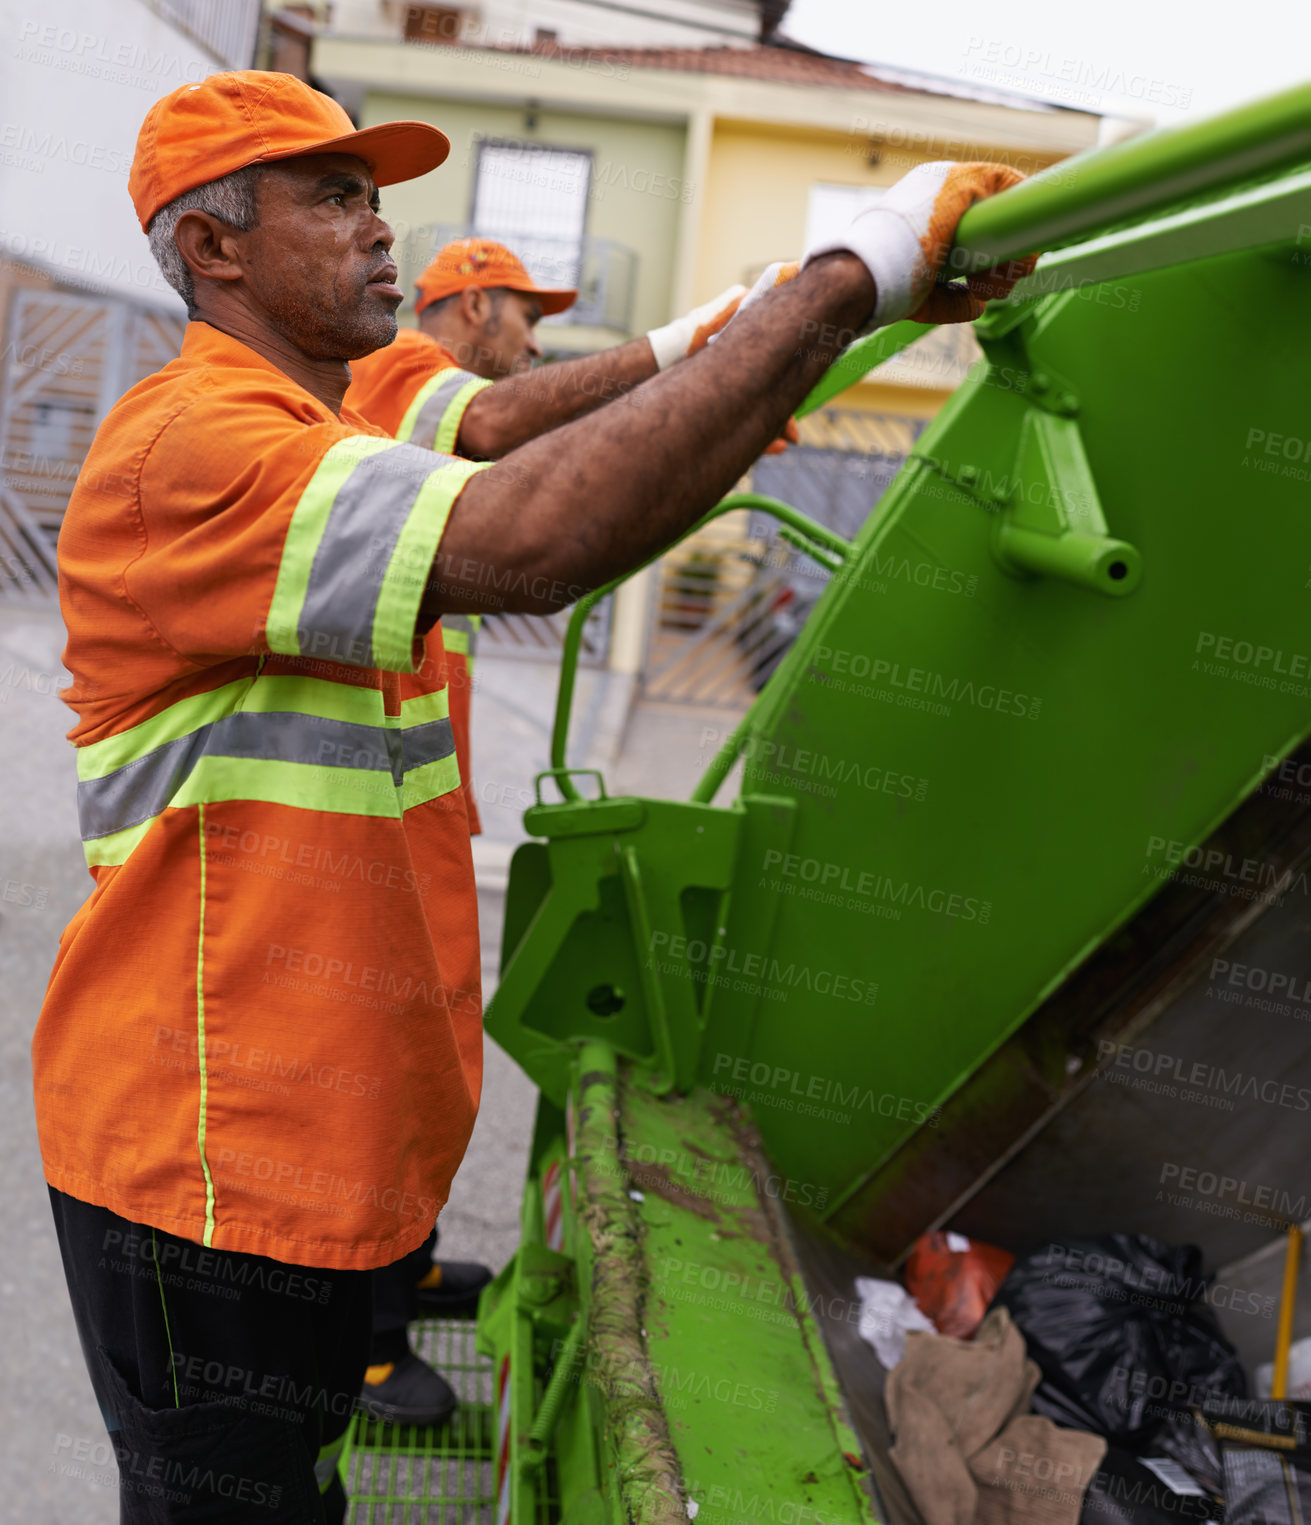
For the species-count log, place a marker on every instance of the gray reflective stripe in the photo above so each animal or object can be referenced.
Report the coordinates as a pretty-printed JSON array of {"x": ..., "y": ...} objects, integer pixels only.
[
  {"x": 469, "y": 625},
  {"x": 145, "y": 787},
  {"x": 364, "y": 524},
  {"x": 326, "y": 1465},
  {"x": 428, "y": 743},
  {"x": 430, "y": 415}
]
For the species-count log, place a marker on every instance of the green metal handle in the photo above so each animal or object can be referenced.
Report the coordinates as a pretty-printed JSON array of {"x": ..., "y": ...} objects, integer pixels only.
[
  {"x": 1095, "y": 562},
  {"x": 829, "y": 549},
  {"x": 1094, "y": 191},
  {"x": 560, "y": 774}
]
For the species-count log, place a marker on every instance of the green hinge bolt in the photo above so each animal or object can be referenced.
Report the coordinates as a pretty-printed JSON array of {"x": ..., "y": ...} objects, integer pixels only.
[{"x": 539, "y": 1288}]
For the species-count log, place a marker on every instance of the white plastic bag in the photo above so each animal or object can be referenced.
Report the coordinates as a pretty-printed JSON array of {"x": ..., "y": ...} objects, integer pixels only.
[
  {"x": 1299, "y": 1373},
  {"x": 887, "y": 1313}
]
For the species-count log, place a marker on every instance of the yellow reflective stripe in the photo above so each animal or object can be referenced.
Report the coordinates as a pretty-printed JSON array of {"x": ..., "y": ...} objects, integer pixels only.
[
  {"x": 178, "y": 720},
  {"x": 460, "y": 634},
  {"x": 448, "y": 430},
  {"x": 434, "y": 383},
  {"x": 228, "y": 779},
  {"x": 108, "y": 852},
  {"x": 422, "y": 709},
  {"x": 207, "y": 1238},
  {"x": 304, "y": 786},
  {"x": 436, "y": 422},
  {"x": 315, "y": 698},
  {"x": 304, "y": 534},
  {"x": 300, "y": 785},
  {"x": 407, "y": 572},
  {"x": 318, "y": 697},
  {"x": 430, "y": 781}
]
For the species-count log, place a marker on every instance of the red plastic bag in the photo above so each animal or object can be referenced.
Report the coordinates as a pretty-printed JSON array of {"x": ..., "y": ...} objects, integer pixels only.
[{"x": 953, "y": 1279}]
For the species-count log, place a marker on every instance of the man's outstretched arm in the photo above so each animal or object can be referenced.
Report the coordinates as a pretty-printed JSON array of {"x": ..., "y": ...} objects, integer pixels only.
[{"x": 599, "y": 496}]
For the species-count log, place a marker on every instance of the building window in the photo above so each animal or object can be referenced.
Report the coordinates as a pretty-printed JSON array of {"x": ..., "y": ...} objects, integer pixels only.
[
  {"x": 534, "y": 200},
  {"x": 831, "y": 207}
]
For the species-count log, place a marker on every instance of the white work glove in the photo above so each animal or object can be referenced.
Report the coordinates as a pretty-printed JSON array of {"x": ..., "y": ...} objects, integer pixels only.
[
  {"x": 769, "y": 279},
  {"x": 903, "y": 241},
  {"x": 685, "y": 335}
]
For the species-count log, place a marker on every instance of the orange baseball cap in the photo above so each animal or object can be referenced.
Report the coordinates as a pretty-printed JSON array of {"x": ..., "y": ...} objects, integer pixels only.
[
  {"x": 483, "y": 262},
  {"x": 202, "y": 132}
]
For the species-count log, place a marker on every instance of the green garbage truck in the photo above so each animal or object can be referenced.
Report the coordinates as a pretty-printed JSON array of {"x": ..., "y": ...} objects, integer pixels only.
[{"x": 779, "y": 1036}]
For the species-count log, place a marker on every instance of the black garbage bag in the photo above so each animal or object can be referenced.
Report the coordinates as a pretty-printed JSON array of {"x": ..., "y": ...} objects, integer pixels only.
[{"x": 1121, "y": 1334}]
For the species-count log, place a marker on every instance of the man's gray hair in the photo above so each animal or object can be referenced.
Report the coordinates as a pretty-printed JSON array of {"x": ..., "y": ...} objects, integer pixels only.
[{"x": 231, "y": 200}]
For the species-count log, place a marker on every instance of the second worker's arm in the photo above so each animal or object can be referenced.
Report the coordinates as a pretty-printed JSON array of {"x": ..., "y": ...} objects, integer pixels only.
[
  {"x": 599, "y": 496},
  {"x": 516, "y": 409},
  {"x": 519, "y": 408}
]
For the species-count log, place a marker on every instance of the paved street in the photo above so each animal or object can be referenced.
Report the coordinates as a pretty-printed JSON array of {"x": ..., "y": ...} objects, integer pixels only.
[{"x": 55, "y": 1459}]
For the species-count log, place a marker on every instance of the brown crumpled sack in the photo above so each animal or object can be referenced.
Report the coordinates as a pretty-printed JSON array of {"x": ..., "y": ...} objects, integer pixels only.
[{"x": 967, "y": 1448}]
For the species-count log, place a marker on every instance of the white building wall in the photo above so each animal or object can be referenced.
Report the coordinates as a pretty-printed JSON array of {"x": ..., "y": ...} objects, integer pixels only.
[
  {"x": 76, "y": 79},
  {"x": 515, "y": 23}
]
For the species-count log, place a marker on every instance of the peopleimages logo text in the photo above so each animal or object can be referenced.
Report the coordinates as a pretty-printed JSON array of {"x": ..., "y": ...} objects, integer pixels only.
[
  {"x": 919, "y": 687},
  {"x": 1254, "y": 654}
]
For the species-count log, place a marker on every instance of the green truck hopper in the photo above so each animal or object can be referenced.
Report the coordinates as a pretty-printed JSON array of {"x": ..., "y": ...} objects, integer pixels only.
[{"x": 1063, "y": 825}]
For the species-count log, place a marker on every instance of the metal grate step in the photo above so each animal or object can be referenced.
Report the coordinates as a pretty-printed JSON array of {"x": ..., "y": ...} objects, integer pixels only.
[{"x": 410, "y": 1475}]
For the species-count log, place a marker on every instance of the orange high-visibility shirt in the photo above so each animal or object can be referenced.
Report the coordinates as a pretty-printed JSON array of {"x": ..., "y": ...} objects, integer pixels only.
[
  {"x": 263, "y": 1029},
  {"x": 415, "y": 389}
]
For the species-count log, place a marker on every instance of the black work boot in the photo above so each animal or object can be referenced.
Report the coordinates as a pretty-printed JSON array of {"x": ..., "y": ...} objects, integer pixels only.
[
  {"x": 452, "y": 1286},
  {"x": 407, "y": 1391}
]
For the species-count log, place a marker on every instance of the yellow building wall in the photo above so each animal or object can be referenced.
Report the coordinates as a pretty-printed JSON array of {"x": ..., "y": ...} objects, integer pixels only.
[
  {"x": 636, "y": 198},
  {"x": 757, "y": 188}
]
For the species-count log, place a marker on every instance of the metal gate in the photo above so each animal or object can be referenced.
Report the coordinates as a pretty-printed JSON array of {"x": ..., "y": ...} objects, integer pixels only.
[
  {"x": 731, "y": 600},
  {"x": 540, "y": 636},
  {"x": 67, "y": 360}
]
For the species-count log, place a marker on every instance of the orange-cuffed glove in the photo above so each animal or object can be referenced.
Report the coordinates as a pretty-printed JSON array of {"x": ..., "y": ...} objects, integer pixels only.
[
  {"x": 694, "y": 330},
  {"x": 770, "y": 279},
  {"x": 904, "y": 239}
]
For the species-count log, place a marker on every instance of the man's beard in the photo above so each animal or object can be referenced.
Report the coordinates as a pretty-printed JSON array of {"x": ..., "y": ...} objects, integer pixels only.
[{"x": 331, "y": 330}]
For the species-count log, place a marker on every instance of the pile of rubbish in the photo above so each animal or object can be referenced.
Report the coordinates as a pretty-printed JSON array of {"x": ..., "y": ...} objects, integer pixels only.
[{"x": 1087, "y": 1382}]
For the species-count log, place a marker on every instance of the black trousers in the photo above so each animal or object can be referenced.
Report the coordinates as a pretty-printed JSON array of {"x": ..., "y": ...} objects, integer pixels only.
[
  {"x": 227, "y": 1381},
  {"x": 396, "y": 1302}
]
